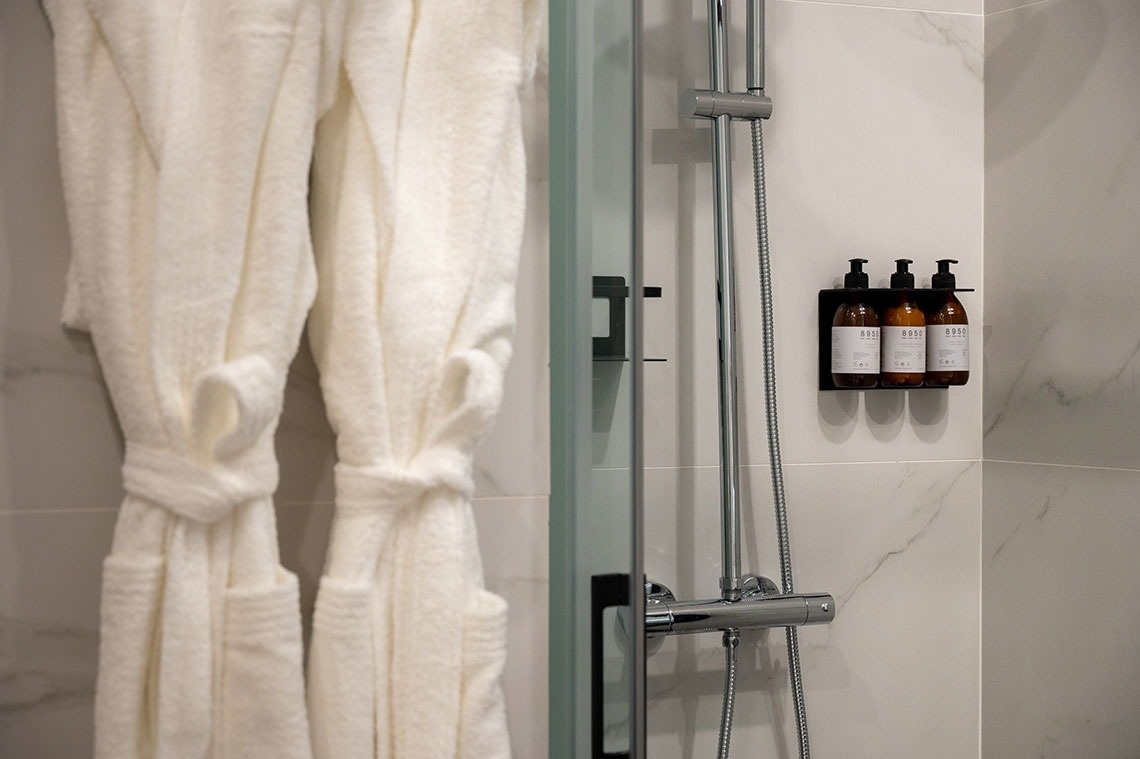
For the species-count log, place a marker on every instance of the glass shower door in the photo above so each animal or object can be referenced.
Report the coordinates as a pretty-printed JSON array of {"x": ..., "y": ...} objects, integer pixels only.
[{"x": 596, "y": 597}]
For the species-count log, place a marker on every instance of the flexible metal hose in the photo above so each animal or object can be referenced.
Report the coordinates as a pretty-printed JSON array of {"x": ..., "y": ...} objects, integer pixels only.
[
  {"x": 731, "y": 642},
  {"x": 773, "y": 429}
]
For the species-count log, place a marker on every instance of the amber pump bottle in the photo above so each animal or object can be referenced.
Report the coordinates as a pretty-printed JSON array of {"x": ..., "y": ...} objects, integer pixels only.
[
  {"x": 855, "y": 335},
  {"x": 903, "y": 332},
  {"x": 947, "y": 332}
]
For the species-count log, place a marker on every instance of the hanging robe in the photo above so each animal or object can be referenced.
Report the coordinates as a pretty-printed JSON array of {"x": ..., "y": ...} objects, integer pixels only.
[
  {"x": 418, "y": 199},
  {"x": 185, "y": 131}
]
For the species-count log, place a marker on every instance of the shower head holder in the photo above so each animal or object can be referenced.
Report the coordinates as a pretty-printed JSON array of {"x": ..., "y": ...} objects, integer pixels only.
[{"x": 710, "y": 104}]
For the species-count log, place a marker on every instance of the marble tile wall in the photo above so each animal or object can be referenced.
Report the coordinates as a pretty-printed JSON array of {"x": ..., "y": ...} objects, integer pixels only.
[
  {"x": 1061, "y": 656},
  {"x": 60, "y": 448},
  {"x": 875, "y": 150},
  {"x": 1061, "y": 404},
  {"x": 896, "y": 544},
  {"x": 1063, "y": 176}
]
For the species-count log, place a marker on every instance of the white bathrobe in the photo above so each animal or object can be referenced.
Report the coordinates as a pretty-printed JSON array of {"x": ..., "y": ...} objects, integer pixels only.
[
  {"x": 185, "y": 132},
  {"x": 418, "y": 200}
]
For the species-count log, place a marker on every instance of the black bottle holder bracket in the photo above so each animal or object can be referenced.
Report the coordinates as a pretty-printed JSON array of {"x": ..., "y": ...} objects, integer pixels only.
[
  {"x": 614, "y": 290},
  {"x": 878, "y": 298}
]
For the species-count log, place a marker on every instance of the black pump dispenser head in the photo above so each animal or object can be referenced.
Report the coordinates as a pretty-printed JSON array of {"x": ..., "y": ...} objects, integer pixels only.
[
  {"x": 902, "y": 278},
  {"x": 944, "y": 279},
  {"x": 856, "y": 278}
]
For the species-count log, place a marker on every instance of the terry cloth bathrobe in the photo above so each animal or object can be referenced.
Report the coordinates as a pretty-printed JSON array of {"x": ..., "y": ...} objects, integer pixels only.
[
  {"x": 418, "y": 201},
  {"x": 185, "y": 132}
]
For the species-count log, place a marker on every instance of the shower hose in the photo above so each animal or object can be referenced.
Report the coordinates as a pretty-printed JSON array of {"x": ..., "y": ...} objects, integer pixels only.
[{"x": 732, "y": 637}]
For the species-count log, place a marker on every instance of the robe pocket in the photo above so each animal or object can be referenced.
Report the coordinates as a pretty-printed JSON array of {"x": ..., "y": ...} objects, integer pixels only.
[
  {"x": 482, "y": 719},
  {"x": 263, "y": 691},
  {"x": 131, "y": 589},
  {"x": 485, "y": 630},
  {"x": 343, "y": 609},
  {"x": 266, "y": 615},
  {"x": 132, "y": 593},
  {"x": 342, "y": 685},
  {"x": 260, "y": 19}
]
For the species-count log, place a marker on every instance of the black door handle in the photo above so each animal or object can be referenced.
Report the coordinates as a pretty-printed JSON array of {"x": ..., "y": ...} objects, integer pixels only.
[{"x": 606, "y": 591}]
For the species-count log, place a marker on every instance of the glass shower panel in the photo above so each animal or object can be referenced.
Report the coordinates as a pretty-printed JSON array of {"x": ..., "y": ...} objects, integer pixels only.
[{"x": 596, "y": 633}]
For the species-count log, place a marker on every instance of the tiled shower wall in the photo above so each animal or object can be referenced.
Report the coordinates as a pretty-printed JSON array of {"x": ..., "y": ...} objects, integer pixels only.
[
  {"x": 875, "y": 150},
  {"x": 60, "y": 448},
  {"x": 1061, "y": 579},
  {"x": 899, "y": 127}
]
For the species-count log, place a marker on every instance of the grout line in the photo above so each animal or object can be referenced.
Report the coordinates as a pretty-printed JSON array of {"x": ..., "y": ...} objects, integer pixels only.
[
  {"x": 788, "y": 465},
  {"x": 1064, "y": 466},
  {"x": 37, "y": 512},
  {"x": 869, "y": 6},
  {"x": 290, "y": 504},
  {"x": 539, "y": 497},
  {"x": 712, "y": 467},
  {"x": 1017, "y": 8},
  {"x": 872, "y": 462}
]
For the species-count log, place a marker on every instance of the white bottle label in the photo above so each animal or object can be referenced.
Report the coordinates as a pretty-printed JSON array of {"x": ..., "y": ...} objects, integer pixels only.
[
  {"x": 947, "y": 348},
  {"x": 904, "y": 349},
  {"x": 855, "y": 350}
]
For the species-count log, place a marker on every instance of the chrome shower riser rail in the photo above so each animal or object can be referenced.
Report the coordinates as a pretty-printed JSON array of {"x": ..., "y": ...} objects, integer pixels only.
[
  {"x": 740, "y": 606},
  {"x": 665, "y": 617},
  {"x": 731, "y": 574},
  {"x": 720, "y": 104}
]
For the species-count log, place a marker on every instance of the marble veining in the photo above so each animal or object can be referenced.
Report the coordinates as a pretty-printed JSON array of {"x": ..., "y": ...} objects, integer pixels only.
[
  {"x": 1062, "y": 185},
  {"x": 926, "y": 514},
  {"x": 486, "y": 481},
  {"x": 30, "y": 355},
  {"x": 997, "y": 408},
  {"x": 1060, "y": 589},
  {"x": 1046, "y": 503},
  {"x": 958, "y": 33},
  {"x": 1063, "y": 389},
  {"x": 1127, "y": 167},
  {"x": 54, "y": 666},
  {"x": 886, "y": 539},
  {"x": 1069, "y": 396}
]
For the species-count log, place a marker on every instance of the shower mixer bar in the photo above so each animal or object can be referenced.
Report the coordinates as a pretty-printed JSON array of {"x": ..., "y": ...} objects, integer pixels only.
[{"x": 759, "y": 607}]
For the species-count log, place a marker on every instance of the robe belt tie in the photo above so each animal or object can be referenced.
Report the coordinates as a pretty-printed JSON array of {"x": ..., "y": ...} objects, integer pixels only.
[
  {"x": 239, "y": 463},
  {"x": 204, "y": 494},
  {"x": 379, "y": 486}
]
